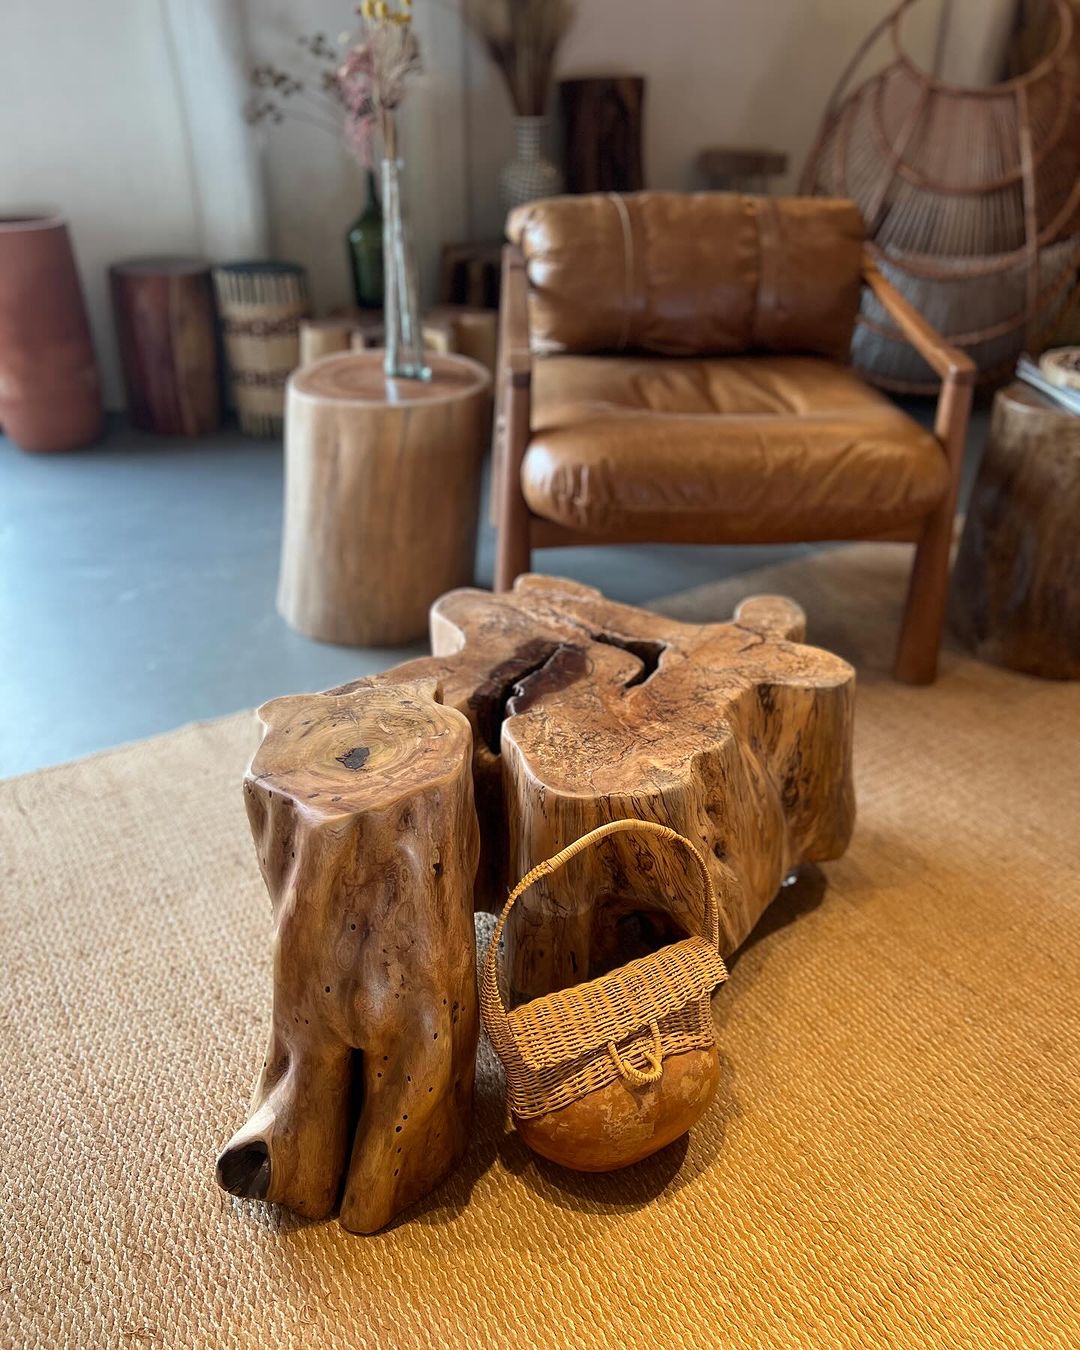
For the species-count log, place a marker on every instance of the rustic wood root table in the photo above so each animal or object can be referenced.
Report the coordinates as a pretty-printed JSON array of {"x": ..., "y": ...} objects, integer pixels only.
[
  {"x": 386, "y": 810},
  {"x": 382, "y": 490},
  {"x": 1016, "y": 584}
]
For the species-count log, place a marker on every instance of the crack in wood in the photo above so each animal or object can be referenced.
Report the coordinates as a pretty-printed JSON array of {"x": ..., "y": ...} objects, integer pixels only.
[{"x": 646, "y": 651}]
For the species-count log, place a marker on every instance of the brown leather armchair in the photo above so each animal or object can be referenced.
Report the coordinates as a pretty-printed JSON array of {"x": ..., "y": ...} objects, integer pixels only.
[{"x": 673, "y": 368}]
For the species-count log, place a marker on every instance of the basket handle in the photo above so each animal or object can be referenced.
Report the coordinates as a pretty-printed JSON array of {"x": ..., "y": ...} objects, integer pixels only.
[{"x": 490, "y": 994}]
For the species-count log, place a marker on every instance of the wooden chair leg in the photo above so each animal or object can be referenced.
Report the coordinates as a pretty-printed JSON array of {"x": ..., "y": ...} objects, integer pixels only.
[
  {"x": 924, "y": 611},
  {"x": 513, "y": 552}
]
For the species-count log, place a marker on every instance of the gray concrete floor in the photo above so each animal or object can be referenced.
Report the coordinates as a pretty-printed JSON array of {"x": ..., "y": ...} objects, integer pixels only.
[{"x": 137, "y": 586}]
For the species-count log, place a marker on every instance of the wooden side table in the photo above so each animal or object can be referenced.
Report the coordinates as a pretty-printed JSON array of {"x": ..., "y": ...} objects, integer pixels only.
[
  {"x": 166, "y": 328},
  {"x": 1016, "y": 584},
  {"x": 382, "y": 489}
]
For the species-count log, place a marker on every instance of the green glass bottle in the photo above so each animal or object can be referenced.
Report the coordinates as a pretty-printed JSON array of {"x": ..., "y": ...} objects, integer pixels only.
[{"x": 365, "y": 247}]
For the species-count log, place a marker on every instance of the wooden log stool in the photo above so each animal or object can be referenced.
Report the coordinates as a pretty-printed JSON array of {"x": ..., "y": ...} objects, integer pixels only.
[
  {"x": 361, "y": 805},
  {"x": 382, "y": 489},
  {"x": 167, "y": 334},
  {"x": 1016, "y": 584},
  {"x": 571, "y": 711}
]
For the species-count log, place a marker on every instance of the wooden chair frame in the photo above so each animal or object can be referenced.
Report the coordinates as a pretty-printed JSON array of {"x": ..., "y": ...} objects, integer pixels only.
[{"x": 520, "y": 531}]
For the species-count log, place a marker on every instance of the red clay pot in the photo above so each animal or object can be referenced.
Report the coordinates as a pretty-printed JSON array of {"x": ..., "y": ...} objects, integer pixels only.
[{"x": 50, "y": 394}]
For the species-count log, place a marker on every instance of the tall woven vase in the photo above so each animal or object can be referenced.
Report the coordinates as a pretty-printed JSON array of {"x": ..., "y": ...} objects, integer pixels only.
[
  {"x": 404, "y": 357},
  {"x": 530, "y": 174}
]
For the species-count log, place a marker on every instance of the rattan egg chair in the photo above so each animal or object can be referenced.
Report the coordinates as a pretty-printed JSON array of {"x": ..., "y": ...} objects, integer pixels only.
[{"x": 971, "y": 198}]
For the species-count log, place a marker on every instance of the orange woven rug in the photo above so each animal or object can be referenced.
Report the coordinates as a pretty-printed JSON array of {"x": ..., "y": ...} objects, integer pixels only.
[{"x": 892, "y": 1159}]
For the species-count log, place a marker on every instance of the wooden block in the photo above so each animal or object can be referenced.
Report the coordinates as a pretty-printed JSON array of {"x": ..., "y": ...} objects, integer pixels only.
[
  {"x": 323, "y": 337},
  {"x": 602, "y": 125},
  {"x": 166, "y": 330}
]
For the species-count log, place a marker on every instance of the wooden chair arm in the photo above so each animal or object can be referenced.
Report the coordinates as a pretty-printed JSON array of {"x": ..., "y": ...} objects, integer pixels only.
[
  {"x": 515, "y": 358},
  {"x": 949, "y": 362},
  {"x": 513, "y": 418}
]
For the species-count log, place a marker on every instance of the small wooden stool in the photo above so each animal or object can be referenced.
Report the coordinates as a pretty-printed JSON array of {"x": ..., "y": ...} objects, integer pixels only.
[
  {"x": 1016, "y": 584},
  {"x": 166, "y": 330},
  {"x": 382, "y": 489}
]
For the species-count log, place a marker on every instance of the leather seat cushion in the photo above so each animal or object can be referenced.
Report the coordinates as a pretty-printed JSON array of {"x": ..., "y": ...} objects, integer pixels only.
[{"x": 723, "y": 450}]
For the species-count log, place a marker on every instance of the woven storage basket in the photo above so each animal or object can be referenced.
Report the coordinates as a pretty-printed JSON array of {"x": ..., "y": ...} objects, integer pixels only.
[{"x": 607, "y": 1072}]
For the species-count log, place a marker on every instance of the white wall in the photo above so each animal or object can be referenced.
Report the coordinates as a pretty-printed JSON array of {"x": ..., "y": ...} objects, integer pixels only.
[
  {"x": 316, "y": 189},
  {"x": 718, "y": 72},
  {"x": 92, "y": 97},
  {"x": 91, "y": 127}
]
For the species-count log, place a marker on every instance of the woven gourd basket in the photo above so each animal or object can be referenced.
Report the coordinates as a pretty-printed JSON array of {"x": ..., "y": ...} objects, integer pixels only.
[
  {"x": 610, "y": 1036},
  {"x": 971, "y": 198}
]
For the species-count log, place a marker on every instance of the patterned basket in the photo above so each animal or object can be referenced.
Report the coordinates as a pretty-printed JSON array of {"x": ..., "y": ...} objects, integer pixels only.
[{"x": 559, "y": 1049}]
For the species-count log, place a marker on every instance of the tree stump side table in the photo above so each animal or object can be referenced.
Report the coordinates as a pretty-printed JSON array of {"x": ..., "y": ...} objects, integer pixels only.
[
  {"x": 1016, "y": 584},
  {"x": 166, "y": 328},
  {"x": 382, "y": 488}
]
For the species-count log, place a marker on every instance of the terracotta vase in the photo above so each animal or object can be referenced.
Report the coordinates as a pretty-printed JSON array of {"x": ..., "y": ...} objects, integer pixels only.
[{"x": 50, "y": 394}]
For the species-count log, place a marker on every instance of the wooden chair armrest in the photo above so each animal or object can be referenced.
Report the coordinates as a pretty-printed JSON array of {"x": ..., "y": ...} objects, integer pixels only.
[
  {"x": 949, "y": 362},
  {"x": 515, "y": 358}
]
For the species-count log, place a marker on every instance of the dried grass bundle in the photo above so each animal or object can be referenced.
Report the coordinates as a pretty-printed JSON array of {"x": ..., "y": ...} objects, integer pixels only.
[{"x": 522, "y": 38}]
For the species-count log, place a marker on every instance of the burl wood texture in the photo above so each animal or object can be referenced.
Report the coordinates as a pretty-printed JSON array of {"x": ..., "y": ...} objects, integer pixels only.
[
  {"x": 585, "y": 711},
  {"x": 1016, "y": 583},
  {"x": 572, "y": 711},
  {"x": 361, "y": 806},
  {"x": 167, "y": 334},
  {"x": 382, "y": 488}
]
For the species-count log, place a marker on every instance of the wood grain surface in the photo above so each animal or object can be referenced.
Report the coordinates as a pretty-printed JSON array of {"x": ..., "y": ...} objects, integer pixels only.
[
  {"x": 382, "y": 488},
  {"x": 166, "y": 330},
  {"x": 1016, "y": 583},
  {"x": 361, "y": 806}
]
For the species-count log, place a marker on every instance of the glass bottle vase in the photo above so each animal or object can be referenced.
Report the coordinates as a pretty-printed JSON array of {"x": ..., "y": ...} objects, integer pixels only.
[
  {"x": 364, "y": 244},
  {"x": 404, "y": 357}
]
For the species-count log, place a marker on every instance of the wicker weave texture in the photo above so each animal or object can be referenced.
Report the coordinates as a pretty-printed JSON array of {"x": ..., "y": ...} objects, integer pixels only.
[
  {"x": 558, "y": 1048},
  {"x": 553, "y": 1029},
  {"x": 971, "y": 197}
]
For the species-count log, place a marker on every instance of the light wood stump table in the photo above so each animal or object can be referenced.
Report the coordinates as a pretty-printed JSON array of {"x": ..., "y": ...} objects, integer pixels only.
[
  {"x": 1016, "y": 584},
  {"x": 382, "y": 490}
]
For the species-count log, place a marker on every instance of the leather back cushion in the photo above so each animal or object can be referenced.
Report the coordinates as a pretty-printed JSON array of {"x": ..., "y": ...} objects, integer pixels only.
[{"x": 701, "y": 274}]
